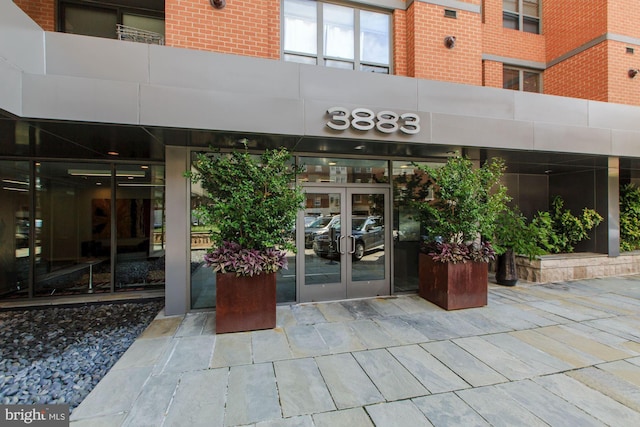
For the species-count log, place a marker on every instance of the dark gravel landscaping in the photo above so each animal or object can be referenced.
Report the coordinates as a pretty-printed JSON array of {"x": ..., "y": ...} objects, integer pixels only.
[{"x": 58, "y": 354}]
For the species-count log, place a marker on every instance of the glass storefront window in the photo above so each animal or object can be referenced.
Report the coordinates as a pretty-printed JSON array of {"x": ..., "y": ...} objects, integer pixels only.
[
  {"x": 343, "y": 171},
  {"x": 15, "y": 224},
  {"x": 407, "y": 187},
  {"x": 139, "y": 227},
  {"x": 73, "y": 208}
]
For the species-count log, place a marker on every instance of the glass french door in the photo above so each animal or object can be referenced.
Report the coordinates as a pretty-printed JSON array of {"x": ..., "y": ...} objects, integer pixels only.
[{"x": 344, "y": 245}]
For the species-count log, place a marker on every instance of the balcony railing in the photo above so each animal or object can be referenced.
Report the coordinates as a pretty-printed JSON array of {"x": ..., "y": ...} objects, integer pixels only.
[{"x": 136, "y": 35}]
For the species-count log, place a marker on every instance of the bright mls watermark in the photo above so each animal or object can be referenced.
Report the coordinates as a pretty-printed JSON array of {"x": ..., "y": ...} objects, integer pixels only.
[{"x": 34, "y": 415}]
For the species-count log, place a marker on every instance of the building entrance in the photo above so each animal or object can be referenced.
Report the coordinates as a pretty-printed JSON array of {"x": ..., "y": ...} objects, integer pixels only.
[{"x": 344, "y": 246}]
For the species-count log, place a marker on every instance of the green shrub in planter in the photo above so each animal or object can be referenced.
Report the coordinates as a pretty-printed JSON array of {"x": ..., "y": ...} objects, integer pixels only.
[
  {"x": 629, "y": 217},
  {"x": 254, "y": 204}
]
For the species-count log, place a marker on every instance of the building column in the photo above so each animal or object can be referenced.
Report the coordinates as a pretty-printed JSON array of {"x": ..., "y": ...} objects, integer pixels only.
[
  {"x": 613, "y": 207},
  {"x": 177, "y": 259}
]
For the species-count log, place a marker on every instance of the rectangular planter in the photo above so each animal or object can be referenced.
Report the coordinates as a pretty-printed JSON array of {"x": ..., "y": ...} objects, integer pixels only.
[
  {"x": 453, "y": 286},
  {"x": 245, "y": 303}
]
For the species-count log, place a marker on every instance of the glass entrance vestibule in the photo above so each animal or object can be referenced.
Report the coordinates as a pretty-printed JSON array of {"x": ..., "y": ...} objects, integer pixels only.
[{"x": 356, "y": 236}]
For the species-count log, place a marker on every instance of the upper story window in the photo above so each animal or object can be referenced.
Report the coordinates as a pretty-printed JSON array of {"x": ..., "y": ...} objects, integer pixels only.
[
  {"x": 521, "y": 79},
  {"x": 336, "y": 36},
  {"x": 111, "y": 20},
  {"x": 521, "y": 15}
]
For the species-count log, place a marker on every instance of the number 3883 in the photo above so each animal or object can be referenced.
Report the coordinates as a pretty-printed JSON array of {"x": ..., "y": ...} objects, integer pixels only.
[{"x": 364, "y": 119}]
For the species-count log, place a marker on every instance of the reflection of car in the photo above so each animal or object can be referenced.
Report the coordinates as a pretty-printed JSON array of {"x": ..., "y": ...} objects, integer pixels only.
[
  {"x": 319, "y": 226},
  {"x": 368, "y": 233}
]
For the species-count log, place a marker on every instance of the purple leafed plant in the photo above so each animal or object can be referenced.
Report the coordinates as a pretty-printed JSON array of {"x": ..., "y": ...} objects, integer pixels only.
[
  {"x": 459, "y": 252},
  {"x": 233, "y": 258}
]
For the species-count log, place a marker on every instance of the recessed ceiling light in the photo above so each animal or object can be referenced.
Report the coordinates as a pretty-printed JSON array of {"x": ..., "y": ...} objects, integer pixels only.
[
  {"x": 113, "y": 153},
  {"x": 358, "y": 147},
  {"x": 144, "y": 167},
  {"x": 332, "y": 163},
  {"x": 548, "y": 171}
]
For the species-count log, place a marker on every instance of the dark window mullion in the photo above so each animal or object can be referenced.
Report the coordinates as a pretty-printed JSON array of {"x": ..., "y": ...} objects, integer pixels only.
[{"x": 356, "y": 41}]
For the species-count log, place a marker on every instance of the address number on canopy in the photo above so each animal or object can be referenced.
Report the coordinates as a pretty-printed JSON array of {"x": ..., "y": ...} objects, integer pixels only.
[{"x": 364, "y": 119}]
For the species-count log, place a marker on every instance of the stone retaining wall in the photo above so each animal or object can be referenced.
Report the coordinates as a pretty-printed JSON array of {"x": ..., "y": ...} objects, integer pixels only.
[{"x": 564, "y": 267}]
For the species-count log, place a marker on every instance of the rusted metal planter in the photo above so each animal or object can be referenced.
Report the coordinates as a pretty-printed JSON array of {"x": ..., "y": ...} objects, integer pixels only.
[
  {"x": 453, "y": 286},
  {"x": 245, "y": 303}
]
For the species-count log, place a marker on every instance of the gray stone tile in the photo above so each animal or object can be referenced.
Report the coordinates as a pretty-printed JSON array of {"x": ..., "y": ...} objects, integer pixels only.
[
  {"x": 270, "y": 345},
  {"x": 284, "y": 316},
  {"x": 623, "y": 369},
  {"x": 590, "y": 346},
  {"x": 413, "y": 304},
  {"x": 496, "y": 358},
  {"x": 307, "y": 314},
  {"x": 386, "y": 306},
  {"x": 617, "y": 327},
  {"x": 542, "y": 363},
  {"x": 427, "y": 326},
  {"x": 371, "y": 335},
  {"x": 355, "y": 417},
  {"x": 360, "y": 309},
  {"x": 114, "y": 394},
  {"x": 570, "y": 311},
  {"x": 448, "y": 409},
  {"x": 390, "y": 377},
  {"x": 302, "y": 421},
  {"x": 115, "y": 420},
  {"x": 339, "y": 337},
  {"x": 435, "y": 376},
  {"x": 144, "y": 353},
  {"x": 232, "y": 350},
  {"x": 546, "y": 405},
  {"x": 190, "y": 354},
  {"x": 199, "y": 399},
  {"x": 348, "y": 384},
  {"x": 611, "y": 385},
  {"x": 603, "y": 337},
  {"x": 403, "y": 413},
  {"x": 464, "y": 364},
  {"x": 498, "y": 408},
  {"x": 557, "y": 349},
  {"x": 480, "y": 319},
  {"x": 590, "y": 401},
  {"x": 305, "y": 341},
  {"x": 209, "y": 327},
  {"x": 302, "y": 389},
  {"x": 192, "y": 324},
  {"x": 153, "y": 401},
  {"x": 252, "y": 395},
  {"x": 519, "y": 316},
  {"x": 400, "y": 330},
  {"x": 335, "y": 312},
  {"x": 634, "y": 360}
]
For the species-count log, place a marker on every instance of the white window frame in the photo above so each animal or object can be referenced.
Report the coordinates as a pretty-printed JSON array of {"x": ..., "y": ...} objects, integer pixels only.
[{"x": 320, "y": 58}]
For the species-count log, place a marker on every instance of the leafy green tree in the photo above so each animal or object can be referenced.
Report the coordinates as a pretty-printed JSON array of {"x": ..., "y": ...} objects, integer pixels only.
[
  {"x": 629, "y": 217},
  {"x": 254, "y": 199}
]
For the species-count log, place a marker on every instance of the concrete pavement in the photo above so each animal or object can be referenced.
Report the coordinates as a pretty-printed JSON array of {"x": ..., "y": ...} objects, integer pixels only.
[{"x": 563, "y": 354}]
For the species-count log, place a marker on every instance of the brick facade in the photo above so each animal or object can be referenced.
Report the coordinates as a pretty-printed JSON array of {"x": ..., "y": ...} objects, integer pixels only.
[
  {"x": 41, "y": 11},
  {"x": 579, "y": 50}
]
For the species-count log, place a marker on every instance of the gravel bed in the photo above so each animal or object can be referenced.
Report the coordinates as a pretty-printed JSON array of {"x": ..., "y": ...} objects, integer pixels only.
[{"x": 58, "y": 354}]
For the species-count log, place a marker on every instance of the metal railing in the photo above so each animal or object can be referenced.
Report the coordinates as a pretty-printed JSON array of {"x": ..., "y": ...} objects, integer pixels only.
[{"x": 137, "y": 35}]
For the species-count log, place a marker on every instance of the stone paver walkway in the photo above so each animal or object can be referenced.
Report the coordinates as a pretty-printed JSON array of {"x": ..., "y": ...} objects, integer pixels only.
[{"x": 565, "y": 354}]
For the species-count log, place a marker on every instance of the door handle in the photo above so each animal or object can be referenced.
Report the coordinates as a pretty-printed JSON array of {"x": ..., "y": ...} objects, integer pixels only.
[
  {"x": 353, "y": 244},
  {"x": 340, "y": 251}
]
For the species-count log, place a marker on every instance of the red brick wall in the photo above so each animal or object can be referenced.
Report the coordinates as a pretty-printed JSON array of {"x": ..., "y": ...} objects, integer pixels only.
[
  {"x": 492, "y": 74},
  {"x": 41, "y": 11},
  {"x": 429, "y": 58},
  {"x": 243, "y": 27},
  {"x": 570, "y": 24},
  {"x": 500, "y": 41},
  {"x": 623, "y": 17},
  {"x": 400, "y": 56},
  {"x": 584, "y": 75}
]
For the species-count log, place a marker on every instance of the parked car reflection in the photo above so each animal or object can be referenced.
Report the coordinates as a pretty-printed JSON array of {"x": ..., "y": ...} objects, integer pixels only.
[
  {"x": 368, "y": 234},
  {"x": 319, "y": 226}
]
